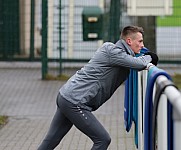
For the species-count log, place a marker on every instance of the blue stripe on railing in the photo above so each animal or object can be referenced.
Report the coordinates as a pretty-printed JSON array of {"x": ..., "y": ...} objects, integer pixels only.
[{"x": 154, "y": 72}]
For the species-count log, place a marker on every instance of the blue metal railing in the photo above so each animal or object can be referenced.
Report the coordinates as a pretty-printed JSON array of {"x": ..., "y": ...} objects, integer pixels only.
[{"x": 132, "y": 91}]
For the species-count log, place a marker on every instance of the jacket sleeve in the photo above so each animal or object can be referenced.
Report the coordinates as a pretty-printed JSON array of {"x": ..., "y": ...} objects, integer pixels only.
[{"x": 119, "y": 57}]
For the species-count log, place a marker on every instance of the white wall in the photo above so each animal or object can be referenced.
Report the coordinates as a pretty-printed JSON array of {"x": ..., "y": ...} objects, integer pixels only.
[{"x": 168, "y": 40}]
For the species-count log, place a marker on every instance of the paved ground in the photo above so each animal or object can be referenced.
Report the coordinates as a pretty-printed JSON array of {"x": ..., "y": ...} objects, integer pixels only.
[{"x": 30, "y": 104}]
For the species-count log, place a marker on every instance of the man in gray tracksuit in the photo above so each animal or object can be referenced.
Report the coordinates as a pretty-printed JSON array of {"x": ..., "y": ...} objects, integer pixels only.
[{"x": 93, "y": 85}]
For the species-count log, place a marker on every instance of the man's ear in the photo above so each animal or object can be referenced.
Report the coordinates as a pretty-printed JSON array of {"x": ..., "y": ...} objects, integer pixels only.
[{"x": 128, "y": 41}]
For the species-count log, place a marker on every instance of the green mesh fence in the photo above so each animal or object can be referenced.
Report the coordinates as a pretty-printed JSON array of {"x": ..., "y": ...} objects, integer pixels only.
[{"x": 51, "y": 31}]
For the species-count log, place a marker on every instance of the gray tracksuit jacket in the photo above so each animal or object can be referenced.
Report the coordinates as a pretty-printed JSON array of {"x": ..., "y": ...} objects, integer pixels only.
[{"x": 96, "y": 82}]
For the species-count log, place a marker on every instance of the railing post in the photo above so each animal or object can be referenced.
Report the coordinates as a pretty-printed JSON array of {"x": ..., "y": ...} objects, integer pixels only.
[
  {"x": 177, "y": 130},
  {"x": 162, "y": 124},
  {"x": 140, "y": 111}
]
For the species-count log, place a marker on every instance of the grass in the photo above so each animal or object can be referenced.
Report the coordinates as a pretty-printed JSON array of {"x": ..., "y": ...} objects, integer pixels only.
[
  {"x": 3, "y": 120},
  {"x": 177, "y": 80},
  {"x": 174, "y": 19}
]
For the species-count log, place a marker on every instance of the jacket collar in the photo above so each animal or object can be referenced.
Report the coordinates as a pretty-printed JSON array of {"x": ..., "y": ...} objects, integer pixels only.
[{"x": 122, "y": 44}]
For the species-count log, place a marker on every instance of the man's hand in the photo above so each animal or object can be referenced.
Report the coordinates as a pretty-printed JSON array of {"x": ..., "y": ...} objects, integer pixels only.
[{"x": 154, "y": 57}]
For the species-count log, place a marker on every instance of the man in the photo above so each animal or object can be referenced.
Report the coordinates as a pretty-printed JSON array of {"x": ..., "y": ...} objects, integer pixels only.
[{"x": 93, "y": 85}]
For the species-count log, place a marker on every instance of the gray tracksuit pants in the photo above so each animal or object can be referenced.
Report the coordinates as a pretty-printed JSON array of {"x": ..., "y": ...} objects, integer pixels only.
[{"x": 66, "y": 116}]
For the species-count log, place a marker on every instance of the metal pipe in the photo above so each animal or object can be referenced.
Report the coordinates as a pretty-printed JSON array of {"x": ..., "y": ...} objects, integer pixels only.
[{"x": 173, "y": 95}]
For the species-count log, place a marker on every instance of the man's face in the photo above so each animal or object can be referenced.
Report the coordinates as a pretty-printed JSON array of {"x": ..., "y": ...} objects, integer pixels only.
[{"x": 135, "y": 42}]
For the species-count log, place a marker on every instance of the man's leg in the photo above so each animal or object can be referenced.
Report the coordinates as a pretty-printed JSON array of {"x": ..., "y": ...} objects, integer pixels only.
[
  {"x": 59, "y": 127},
  {"x": 86, "y": 122},
  {"x": 93, "y": 128}
]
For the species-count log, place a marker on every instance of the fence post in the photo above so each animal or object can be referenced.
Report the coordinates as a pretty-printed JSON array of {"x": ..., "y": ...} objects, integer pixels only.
[
  {"x": 44, "y": 38},
  {"x": 32, "y": 29},
  {"x": 114, "y": 20},
  {"x": 60, "y": 38}
]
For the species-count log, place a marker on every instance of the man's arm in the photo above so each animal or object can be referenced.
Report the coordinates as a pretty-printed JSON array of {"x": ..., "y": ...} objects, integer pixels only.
[{"x": 119, "y": 57}]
